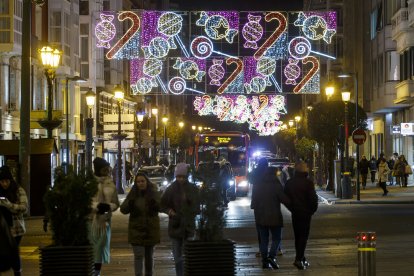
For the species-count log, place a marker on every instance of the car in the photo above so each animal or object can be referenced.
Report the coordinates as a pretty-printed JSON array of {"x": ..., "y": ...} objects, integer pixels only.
[
  {"x": 278, "y": 162},
  {"x": 156, "y": 174}
]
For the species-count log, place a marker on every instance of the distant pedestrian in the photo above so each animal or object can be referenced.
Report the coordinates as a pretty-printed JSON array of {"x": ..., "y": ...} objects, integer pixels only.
[
  {"x": 304, "y": 203},
  {"x": 181, "y": 202},
  {"x": 142, "y": 204},
  {"x": 399, "y": 169},
  {"x": 383, "y": 172},
  {"x": 103, "y": 204},
  {"x": 363, "y": 169},
  {"x": 13, "y": 200},
  {"x": 373, "y": 168},
  {"x": 265, "y": 202},
  {"x": 391, "y": 163}
]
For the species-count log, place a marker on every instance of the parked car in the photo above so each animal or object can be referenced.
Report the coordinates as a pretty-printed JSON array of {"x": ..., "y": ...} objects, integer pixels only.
[{"x": 155, "y": 173}]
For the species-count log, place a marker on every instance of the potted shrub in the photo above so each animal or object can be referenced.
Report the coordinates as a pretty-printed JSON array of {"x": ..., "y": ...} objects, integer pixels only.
[
  {"x": 210, "y": 253},
  {"x": 68, "y": 206}
]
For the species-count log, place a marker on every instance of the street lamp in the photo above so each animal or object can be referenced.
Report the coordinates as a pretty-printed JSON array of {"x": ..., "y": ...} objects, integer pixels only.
[
  {"x": 297, "y": 120},
  {"x": 329, "y": 90},
  {"x": 140, "y": 119},
  {"x": 75, "y": 79},
  {"x": 181, "y": 124},
  {"x": 164, "y": 144},
  {"x": 290, "y": 123},
  {"x": 355, "y": 76},
  {"x": 119, "y": 97},
  {"x": 50, "y": 60},
  {"x": 90, "y": 102},
  {"x": 154, "y": 112},
  {"x": 200, "y": 128},
  {"x": 346, "y": 183}
]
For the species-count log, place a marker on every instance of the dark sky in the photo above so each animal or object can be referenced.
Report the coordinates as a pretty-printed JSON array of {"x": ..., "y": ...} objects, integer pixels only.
[{"x": 242, "y": 5}]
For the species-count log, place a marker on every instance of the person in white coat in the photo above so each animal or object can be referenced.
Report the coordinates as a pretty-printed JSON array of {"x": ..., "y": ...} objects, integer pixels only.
[{"x": 383, "y": 172}]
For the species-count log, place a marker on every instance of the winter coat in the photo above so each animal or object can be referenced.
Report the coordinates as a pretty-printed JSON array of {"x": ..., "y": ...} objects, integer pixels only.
[
  {"x": 301, "y": 192},
  {"x": 399, "y": 167},
  {"x": 383, "y": 172},
  {"x": 184, "y": 200},
  {"x": 267, "y": 198},
  {"x": 144, "y": 222},
  {"x": 9, "y": 254},
  {"x": 364, "y": 166},
  {"x": 373, "y": 165}
]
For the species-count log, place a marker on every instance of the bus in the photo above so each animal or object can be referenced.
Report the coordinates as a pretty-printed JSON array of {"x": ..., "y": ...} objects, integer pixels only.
[{"x": 233, "y": 146}]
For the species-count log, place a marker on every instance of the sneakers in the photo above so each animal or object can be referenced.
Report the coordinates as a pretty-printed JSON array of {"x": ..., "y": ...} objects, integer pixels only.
[
  {"x": 266, "y": 265},
  {"x": 299, "y": 265},
  {"x": 273, "y": 263},
  {"x": 279, "y": 252},
  {"x": 305, "y": 262}
]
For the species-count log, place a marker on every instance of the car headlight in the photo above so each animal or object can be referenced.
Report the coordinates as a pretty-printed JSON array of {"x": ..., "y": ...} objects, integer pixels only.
[
  {"x": 243, "y": 183},
  {"x": 231, "y": 182},
  {"x": 165, "y": 183},
  {"x": 199, "y": 183}
]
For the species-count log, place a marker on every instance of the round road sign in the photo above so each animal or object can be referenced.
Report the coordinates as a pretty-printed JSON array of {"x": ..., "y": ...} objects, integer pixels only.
[{"x": 359, "y": 136}]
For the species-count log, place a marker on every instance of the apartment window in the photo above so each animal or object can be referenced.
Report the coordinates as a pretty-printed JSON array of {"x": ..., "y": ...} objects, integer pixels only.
[
  {"x": 55, "y": 27},
  {"x": 392, "y": 66},
  {"x": 376, "y": 21},
  {"x": 84, "y": 7},
  {"x": 380, "y": 70},
  {"x": 84, "y": 29},
  {"x": 4, "y": 7},
  {"x": 106, "y": 5}
]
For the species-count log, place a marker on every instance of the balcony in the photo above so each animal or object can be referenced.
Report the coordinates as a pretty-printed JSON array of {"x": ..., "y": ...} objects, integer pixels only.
[
  {"x": 404, "y": 92},
  {"x": 411, "y": 13},
  {"x": 401, "y": 32}
]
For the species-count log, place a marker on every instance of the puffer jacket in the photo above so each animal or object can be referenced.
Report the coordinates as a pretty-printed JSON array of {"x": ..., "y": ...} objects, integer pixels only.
[
  {"x": 267, "y": 198},
  {"x": 302, "y": 194},
  {"x": 144, "y": 222}
]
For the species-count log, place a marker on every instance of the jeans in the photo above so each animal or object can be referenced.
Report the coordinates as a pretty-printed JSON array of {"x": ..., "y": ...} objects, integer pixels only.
[
  {"x": 364, "y": 179},
  {"x": 373, "y": 176},
  {"x": 141, "y": 253},
  {"x": 177, "y": 249},
  {"x": 264, "y": 240},
  {"x": 301, "y": 228}
]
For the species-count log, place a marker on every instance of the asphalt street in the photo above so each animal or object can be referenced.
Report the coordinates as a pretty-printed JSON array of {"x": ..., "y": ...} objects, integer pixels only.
[{"x": 332, "y": 248}]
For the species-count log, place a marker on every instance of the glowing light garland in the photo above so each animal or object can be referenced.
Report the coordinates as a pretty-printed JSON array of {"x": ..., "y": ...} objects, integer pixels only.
[{"x": 219, "y": 25}]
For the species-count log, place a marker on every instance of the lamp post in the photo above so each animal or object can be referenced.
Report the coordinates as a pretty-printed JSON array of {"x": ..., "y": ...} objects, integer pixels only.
[
  {"x": 154, "y": 112},
  {"x": 75, "y": 79},
  {"x": 140, "y": 119},
  {"x": 346, "y": 181},
  {"x": 90, "y": 102},
  {"x": 355, "y": 76},
  {"x": 50, "y": 60},
  {"x": 119, "y": 96},
  {"x": 297, "y": 120},
  {"x": 164, "y": 144}
]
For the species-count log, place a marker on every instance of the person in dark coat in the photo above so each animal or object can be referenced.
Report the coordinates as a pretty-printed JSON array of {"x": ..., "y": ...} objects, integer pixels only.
[
  {"x": 142, "y": 204},
  {"x": 363, "y": 169},
  {"x": 373, "y": 168},
  {"x": 266, "y": 199},
  {"x": 181, "y": 202},
  {"x": 303, "y": 204}
]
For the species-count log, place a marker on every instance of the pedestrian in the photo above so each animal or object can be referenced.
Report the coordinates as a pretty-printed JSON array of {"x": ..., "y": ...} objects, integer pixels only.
[
  {"x": 266, "y": 198},
  {"x": 373, "y": 168},
  {"x": 304, "y": 203},
  {"x": 383, "y": 172},
  {"x": 142, "y": 204},
  {"x": 181, "y": 202},
  {"x": 225, "y": 176},
  {"x": 400, "y": 173},
  {"x": 391, "y": 163},
  {"x": 104, "y": 203},
  {"x": 13, "y": 199},
  {"x": 363, "y": 169},
  {"x": 9, "y": 252}
]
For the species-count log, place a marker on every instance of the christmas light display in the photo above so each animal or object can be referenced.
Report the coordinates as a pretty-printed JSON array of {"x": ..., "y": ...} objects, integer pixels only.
[{"x": 241, "y": 52}]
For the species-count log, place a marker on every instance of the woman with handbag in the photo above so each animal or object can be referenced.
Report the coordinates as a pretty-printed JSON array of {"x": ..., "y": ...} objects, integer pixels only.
[
  {"x": 383, "y": 172},
  {"x": 400, "y": 174}
]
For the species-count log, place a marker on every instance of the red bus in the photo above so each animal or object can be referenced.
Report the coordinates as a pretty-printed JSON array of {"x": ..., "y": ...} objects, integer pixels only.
[{"x": 232, "y": 146}]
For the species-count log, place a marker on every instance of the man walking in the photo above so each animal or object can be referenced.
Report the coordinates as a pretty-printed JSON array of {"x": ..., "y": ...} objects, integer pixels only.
[
  {"x": 303, "y": 204},
  {"x": 363, "y": 169}
]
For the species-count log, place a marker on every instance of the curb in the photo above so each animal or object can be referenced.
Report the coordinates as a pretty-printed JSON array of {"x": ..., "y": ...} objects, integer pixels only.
[{"x": 339, "y": 201}]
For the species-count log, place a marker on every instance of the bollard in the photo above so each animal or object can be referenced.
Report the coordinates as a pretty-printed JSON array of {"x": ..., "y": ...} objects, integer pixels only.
[{"x": 366, "y": 253}]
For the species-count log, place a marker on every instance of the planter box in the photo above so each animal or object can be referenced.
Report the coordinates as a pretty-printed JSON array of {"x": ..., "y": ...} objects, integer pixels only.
[
  {"x": 209, "y": 258},
  {"x": 66, "y": 260}
]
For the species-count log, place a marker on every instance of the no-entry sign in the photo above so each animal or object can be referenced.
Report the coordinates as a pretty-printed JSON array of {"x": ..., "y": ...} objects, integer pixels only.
[{"x": 359, "y": 136}]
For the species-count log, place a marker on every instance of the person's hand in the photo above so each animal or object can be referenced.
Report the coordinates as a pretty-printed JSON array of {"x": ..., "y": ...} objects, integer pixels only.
[
  {"x": 5, "y": 202},
  {"x": 103, "y": 208}
]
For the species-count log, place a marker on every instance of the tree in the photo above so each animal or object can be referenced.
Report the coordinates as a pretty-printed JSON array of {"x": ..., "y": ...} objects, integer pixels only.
[
  {"x": 323, "y": 124},
  {"x": 304, "y": 148},
  {"x": 284, "y": 142}
]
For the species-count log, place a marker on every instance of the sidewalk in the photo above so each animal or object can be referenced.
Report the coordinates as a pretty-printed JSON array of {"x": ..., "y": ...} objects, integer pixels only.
[{"x": 372, "y": 195}]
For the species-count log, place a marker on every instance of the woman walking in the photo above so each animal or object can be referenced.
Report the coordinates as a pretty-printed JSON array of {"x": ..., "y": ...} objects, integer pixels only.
[
  {"x": 13, "y": 198},
  {"x": 143, "y": 204},
  {"x": 383, "y": 172}
]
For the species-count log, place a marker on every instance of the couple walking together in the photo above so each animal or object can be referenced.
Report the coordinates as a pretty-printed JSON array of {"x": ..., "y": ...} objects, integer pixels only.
[{"x": 298, "y": 196}]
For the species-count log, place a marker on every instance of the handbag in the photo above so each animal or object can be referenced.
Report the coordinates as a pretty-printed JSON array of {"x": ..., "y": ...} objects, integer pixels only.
[{"x": 408, "y": 169}]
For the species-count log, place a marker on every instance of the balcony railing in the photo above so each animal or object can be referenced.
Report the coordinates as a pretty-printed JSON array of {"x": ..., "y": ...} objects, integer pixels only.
[{"x": 399, "y": 22}]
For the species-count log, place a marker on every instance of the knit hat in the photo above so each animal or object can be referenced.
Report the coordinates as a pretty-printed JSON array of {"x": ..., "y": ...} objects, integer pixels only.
[
  {"x": 98, "y": 164},
  {"x": 181, "y": 169},
  {"x": 5, "y": 173}
]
